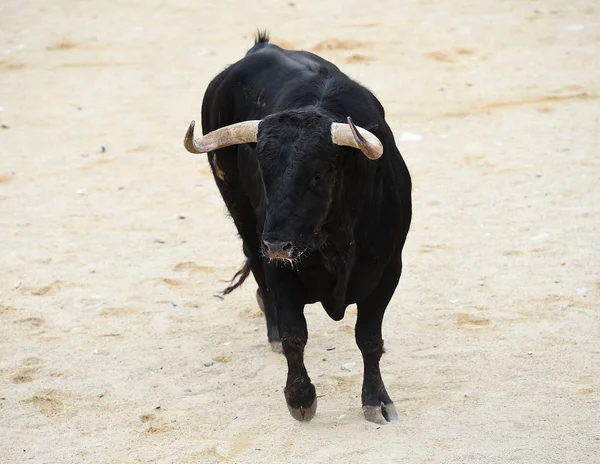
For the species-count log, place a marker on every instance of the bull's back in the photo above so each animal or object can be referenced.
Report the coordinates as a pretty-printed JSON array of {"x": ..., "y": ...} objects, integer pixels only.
[{"x": 256, "y": 85}]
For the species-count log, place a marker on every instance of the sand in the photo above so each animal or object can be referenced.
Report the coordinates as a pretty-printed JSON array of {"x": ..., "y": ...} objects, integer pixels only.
[{"x": 110, "y": 258}]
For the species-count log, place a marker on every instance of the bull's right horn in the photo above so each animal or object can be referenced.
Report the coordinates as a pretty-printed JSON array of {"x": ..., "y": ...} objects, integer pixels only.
[{"x": 234, "y": 134}]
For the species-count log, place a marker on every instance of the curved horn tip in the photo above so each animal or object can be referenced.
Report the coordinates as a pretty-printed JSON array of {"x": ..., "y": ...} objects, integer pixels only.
[
  {"x": 188, "y": 141},
  {"x": 371, "y": 150}
]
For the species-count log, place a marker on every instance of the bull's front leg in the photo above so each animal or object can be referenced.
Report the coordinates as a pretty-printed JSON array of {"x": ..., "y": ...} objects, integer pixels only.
[
  {"x": 288, "y": 297},
  {"x": 378, "y": 407}
]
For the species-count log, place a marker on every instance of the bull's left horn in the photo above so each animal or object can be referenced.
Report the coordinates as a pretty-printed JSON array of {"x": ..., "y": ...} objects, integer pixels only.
[
  {"x": 350, "y": 135},
  {"x": 234, "y": 134}
]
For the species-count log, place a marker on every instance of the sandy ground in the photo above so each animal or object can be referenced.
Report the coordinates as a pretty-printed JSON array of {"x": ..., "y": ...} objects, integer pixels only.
[{"x": 109, "y": 260}]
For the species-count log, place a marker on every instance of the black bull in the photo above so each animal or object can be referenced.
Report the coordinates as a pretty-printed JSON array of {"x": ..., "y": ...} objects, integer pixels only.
[{"x": 322, "y": 219}]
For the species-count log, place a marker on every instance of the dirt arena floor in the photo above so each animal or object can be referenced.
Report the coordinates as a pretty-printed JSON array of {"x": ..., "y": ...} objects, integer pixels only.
[{"x": 114, "y": 240}]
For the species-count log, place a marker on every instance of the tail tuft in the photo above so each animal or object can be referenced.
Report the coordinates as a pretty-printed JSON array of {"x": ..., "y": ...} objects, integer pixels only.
[
  {"x": 241, "y": 276},
  {"x": 262, "y": 37}
]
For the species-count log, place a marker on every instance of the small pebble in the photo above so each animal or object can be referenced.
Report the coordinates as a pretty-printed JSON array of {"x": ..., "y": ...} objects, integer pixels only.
[
  {"x": 540, "y": 236},
  {"x": 180, "y": 217},
  {"x": 330, "y": 348},
  {"x": 348, "y": 366},
  {"x": 208, "y": 364},
  {"x": 530, "y": 353},
  {"x": 408, "y": 137},
  {"x": 81, "y": 192},
  {"x": 4, "y": 126},
  {"x": 188, "y": 390},
  {"x": 101, "y": 149}
]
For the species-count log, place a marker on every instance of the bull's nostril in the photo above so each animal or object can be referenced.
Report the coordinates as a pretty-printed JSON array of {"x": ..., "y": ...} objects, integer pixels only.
[{"x": 278, "y": 248}]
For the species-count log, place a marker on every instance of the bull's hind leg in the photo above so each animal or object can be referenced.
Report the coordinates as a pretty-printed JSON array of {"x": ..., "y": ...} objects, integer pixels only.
[
  {"x": 268, "y": 308},
  {"x": 263, "y": 298},
  {"x": 300, "y": 394},
  {"x": 377, "y": 404}
]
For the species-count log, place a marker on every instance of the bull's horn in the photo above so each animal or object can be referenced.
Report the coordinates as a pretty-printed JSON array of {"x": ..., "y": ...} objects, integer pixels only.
[
  {"x": 351, "y": 136},
  {"x": 235, "y": 134}
]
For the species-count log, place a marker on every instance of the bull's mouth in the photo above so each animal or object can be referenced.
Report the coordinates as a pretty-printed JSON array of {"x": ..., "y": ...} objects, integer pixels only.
[{"x": 277, "y": 255}]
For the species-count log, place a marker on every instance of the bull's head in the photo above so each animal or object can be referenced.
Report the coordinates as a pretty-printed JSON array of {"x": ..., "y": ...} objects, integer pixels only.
[{"x": 297, "y": 155}]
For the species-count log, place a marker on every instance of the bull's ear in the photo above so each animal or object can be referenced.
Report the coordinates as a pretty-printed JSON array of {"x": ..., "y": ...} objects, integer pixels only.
[
  {"x": 234, "y": 134},
  {"x": 352, "y": 136}
]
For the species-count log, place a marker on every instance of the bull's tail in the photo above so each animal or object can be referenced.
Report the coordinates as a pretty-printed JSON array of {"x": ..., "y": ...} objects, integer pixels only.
[
  {"x": 262, "y": 37},
  {"x": 239, "y": 278}
]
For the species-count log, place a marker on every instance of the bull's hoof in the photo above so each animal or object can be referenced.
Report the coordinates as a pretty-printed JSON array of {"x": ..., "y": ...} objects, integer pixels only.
[
  {"x": 381, "y": 414},
  {"x": 304, "y": 414},
  {"x": 277, "y": 347}
]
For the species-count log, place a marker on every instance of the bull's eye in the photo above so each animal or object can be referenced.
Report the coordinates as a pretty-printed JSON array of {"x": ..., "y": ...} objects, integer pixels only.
[{"x": 316, "y": 180}]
